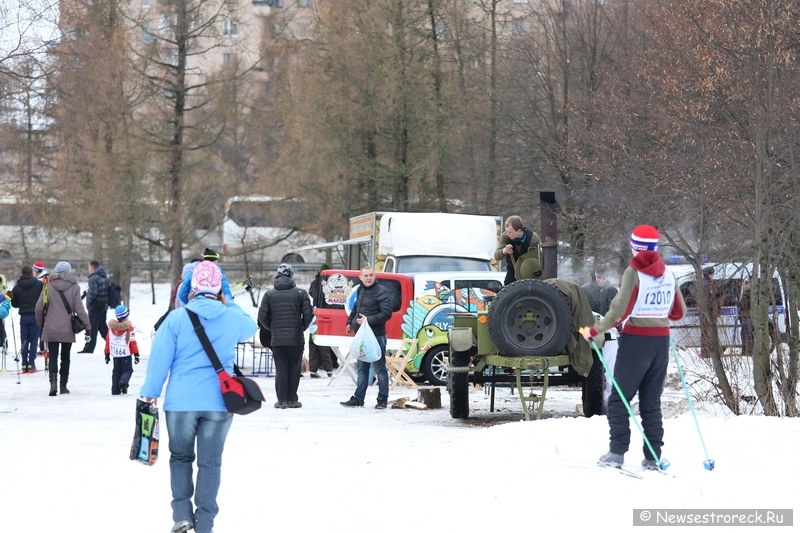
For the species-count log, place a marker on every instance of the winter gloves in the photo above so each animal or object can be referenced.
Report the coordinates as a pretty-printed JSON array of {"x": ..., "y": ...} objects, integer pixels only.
[{"x": 135, "y": 358}]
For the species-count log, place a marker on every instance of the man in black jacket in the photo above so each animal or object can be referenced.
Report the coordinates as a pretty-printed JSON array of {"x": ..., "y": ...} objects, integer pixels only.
[
  {"x": 373, "y": 304},
  {"x": 286, "y": 311},
  {"x": 24, "y": 296},
  {"x": 599, "y": 291},
  {"x": 318, "y": 355},
  {"x": 96, "y": 304}
]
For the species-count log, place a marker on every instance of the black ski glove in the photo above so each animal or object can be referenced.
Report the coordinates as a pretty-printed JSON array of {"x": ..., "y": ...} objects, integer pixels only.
[
  {"x": 108, "y": 358},
  {"x": 136, "y": 358}
]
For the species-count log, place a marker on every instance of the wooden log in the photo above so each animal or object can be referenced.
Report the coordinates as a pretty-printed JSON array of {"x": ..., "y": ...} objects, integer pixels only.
[
  {"x": 416, "y": 405},
  {"x": 431, "y": 397}
]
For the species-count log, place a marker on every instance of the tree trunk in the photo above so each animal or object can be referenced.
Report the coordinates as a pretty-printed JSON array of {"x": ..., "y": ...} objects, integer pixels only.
[{"x": 432, "y": 397}]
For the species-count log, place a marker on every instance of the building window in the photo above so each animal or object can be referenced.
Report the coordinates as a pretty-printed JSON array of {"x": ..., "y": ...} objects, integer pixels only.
[
  {"x": 227, "y": 58},
  {"x": 145, "y": 3},
  {"x": 303, "y": 3},
  {"x": 518, "y": 26},
  {"x": 167, "y": 23},
  {"x": 231, "y": 28},
  {"x": 146, "y": 35}
]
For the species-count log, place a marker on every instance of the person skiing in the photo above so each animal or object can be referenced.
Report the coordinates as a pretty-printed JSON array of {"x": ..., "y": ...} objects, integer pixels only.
[
  {"x": 648, "y": 299},
  {"x": 121, "y": 346}
]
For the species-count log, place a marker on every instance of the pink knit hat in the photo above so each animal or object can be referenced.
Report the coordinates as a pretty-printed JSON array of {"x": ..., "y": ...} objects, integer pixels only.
[
  {"x": 206, "y": 278},
  {"x": 645, "y": 238}
]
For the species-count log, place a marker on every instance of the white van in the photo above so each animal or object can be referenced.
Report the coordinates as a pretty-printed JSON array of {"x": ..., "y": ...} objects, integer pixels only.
[
  {"x": 728, "y": 282},
  {"x": 266, "y": 229}
]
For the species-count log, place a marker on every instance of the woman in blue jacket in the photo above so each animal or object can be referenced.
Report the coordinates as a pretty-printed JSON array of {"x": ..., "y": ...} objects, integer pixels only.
[{"x": 193, "y": 405}]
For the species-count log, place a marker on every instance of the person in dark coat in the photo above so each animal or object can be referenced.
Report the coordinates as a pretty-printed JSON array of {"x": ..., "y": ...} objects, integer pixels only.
[
  {"x": 318, "y": 354},
  {"x": 96, "y": 304},
  {"x": 373, "y": 305},
  {"x": 286, "y": 311},
  {"x": 599, "y": 291},
  {"x": 57, "y": 324},
  {"x": 709, "y": 289},
  {"x": 24, "y": 296},
  {"x": 516, "y": 241},
  {"x": 744, "y": 317}
]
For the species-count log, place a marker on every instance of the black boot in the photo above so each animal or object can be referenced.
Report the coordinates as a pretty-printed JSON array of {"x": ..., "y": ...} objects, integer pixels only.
[
  {"x": 64, "y": 389},
  {"x": 53, "y": 380}
]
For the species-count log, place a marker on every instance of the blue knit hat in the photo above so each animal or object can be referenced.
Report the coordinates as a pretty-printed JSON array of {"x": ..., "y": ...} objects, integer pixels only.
[{"x": 122, "y": 313}]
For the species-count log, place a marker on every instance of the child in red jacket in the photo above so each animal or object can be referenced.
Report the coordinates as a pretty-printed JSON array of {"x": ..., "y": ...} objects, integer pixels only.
[{"x": 121, "y": 345}]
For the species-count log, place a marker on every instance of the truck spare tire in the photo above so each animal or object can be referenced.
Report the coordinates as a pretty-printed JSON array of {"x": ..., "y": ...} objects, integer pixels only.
[{"x": 530, "y": 317}]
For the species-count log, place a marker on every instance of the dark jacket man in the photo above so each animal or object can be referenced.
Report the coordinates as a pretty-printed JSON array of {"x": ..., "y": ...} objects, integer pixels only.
[
  {"x": 286, "y": 311},
  {"x": 96, "y": 304},
  {"x": 25, "y": 294},
  {"x": 375, "y": 303},
  {"x": 98, "y": 285},
  {"x": 599, "y": 292}
]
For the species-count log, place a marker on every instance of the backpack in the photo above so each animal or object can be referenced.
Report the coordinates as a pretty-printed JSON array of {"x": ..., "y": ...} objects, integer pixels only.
[{"x": 114, "y": 292}]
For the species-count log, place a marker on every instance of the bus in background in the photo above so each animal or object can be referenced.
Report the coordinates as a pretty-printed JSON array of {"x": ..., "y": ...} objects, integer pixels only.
[
  {"x": 268, "y": 229},
  {"x": 22, "y": 233}
]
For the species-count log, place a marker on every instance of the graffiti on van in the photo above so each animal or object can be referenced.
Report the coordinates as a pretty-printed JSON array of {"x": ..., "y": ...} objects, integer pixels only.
[
  {"x": 336, "y": 290},
  {"x": 428, "y": 317}
]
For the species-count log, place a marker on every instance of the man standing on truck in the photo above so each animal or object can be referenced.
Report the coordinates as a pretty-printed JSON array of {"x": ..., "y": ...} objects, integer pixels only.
[
  {"x": 648, "y": 298},
  {"x": 374, "y": 305},
  {"x": 516, "y": 241}
]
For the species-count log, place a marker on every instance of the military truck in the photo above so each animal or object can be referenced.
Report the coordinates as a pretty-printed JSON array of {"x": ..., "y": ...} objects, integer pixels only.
[{"x": 527, "y": 332}]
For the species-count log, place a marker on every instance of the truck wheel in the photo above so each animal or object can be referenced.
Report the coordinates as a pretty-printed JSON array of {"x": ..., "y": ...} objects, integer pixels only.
[
  {"x": 434, "y": 365},
  {"x": 593, "y": 388},
  {"x": 458, "y": 386},
  {"x": 530, "y": 317}
]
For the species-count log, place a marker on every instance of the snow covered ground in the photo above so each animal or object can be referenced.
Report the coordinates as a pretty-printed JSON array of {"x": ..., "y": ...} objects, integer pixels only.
[{"x": 329, "y": 468}]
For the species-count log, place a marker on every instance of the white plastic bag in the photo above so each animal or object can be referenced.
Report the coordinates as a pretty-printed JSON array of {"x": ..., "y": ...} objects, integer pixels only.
[{"x": 364, "y": 345}]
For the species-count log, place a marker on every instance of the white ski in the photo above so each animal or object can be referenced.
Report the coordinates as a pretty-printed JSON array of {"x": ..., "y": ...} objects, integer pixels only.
[{"x": 584, "y": 464}]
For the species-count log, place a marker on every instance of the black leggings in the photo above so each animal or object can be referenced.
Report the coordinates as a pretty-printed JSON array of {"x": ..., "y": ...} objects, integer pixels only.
[{"x": 54, "y": 347}]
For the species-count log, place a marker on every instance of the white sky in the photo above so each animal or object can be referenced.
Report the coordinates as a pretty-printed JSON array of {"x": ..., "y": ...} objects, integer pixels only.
[
  {"x": 328, "y": 468},
  {"x": 26, "y": 25}
]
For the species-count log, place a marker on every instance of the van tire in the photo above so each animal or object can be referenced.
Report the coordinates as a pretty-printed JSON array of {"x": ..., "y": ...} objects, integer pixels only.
[
  {"x": 434, "y": 365},
  {"x": 458, "y": 385},
  {"x": 530, "y": 317}
]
